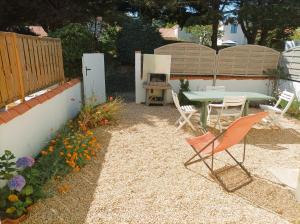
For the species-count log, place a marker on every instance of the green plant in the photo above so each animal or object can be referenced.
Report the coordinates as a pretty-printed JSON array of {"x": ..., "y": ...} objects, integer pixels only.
[
  {"x": 137, "y": 35},
  {"x": 294, "y": 109},
  {"x": 108, "y": 38},
  {"x": 275, "y": 74},
  {"x": 184, "y": 87},
  {"x": 76, "y": 39},
  {"x": 92, "y": 116},
  {"x": 16, "y": 195},
  {"x": 7, "y": 165}
]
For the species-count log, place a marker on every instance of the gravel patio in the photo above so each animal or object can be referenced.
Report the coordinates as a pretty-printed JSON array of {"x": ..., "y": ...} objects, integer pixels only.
[{"x": 139, "y": 177}]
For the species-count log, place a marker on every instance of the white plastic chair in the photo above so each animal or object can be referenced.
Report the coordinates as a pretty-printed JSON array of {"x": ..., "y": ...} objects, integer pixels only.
[
  {"x": 232, "y": 106},
  {"x": 220, "y": 88},
  {"x": 275, "y": 110},
  {"x": 213, "y": 105},
  {"x": 186, "y": 112}
]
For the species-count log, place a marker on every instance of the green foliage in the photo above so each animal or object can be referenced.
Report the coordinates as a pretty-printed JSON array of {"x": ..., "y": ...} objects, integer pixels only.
[
  {"x": 260, "y": 18},
  {"x": 296, "y": 34},
  {"x": 92, "y": 116},
  {"x": 294, "y": 109},
  {"x": 108, "y": 38},
  {"x": 136, "y": 35},
  {"x": 7, "y": 166},
  {"x": 202, "y": 33},
  {"x": 70, "y": 149},
  {"x": 184, "y": 87},
  {"x": 76, "y": 39}
]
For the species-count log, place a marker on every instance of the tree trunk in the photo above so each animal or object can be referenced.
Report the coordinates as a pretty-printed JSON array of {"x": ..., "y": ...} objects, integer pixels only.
[
  {"x": 214, "y": 36},
  {"x": 263, "y": 37}
]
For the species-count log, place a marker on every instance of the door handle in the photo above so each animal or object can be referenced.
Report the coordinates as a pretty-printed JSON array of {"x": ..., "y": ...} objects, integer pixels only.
[{"x": 86, "y": 70}]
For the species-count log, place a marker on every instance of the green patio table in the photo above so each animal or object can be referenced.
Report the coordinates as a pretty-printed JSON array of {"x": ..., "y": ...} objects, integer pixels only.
[{"x": 206, "y": 97}]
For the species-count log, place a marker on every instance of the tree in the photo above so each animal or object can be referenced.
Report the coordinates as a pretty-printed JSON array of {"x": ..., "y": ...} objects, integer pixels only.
[
  {"x": 137, "y": 35},
  {"x": 76, "y": 39},
  {"x": 202, "y": 33},
  {"x": 259, "y": 18},
  {"x": 51, "y": 14}
]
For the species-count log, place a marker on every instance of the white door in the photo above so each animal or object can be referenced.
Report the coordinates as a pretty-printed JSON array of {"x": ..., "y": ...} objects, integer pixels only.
[{"x": 93, "y": 78}]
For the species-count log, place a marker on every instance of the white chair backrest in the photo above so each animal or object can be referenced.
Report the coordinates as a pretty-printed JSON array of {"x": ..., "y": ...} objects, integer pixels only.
[
  {"x": 176, "y": 101},
  {"x": 285, "y": 96},
  {"x": 219, "y": 88},
  {"x": 234, "y": 101}
]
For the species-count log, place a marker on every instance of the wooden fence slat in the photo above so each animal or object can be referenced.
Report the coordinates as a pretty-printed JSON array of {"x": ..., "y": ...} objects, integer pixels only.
[{"x": 28, "y": 64}]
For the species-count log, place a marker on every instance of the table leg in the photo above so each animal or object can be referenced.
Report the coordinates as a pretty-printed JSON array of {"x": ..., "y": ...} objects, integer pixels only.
[
  {"x": 204, "y": 114},
  {"x": 246, "y": 108}
]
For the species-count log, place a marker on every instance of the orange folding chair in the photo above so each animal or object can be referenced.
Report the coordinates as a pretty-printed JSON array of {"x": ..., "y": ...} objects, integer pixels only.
[{"x": 208, "y": 145}]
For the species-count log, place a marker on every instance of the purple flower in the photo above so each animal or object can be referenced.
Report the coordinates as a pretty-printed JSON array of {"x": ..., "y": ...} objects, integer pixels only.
[
  {"x": 16, "y": 183},
  {"x": 24, "y": 162}
]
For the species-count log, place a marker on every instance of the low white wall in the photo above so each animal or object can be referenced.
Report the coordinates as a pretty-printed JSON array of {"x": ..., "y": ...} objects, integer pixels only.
[
  {"x": 26, "y": 134},
  {"x": 290, "y": 86}
]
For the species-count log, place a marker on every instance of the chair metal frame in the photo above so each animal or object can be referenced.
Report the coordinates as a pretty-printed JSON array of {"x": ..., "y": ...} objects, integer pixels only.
[
  {"x": 211, "y": 167},
  {"x": 212, "y": 143}
]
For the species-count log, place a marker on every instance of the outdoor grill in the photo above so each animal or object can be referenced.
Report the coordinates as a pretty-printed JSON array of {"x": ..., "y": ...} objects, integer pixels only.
[{"x": 156, "y": 88}]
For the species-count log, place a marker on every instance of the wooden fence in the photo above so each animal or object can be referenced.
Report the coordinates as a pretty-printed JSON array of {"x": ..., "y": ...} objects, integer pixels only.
[
  {"x": 290, "y": 62},
  {"x": 246, "y": 60},
  {"x": 27, "y": 65},
  {"x": 189, "y": 58},
  {"x": 243, "y": 60}
]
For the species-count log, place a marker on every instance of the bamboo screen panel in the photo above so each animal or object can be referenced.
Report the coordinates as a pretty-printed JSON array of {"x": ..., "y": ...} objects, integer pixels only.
[
  {"x": 189, "y": 58},
  {"x": 290, "y": 62},
  {"x": 28, "y": 64},
  {"x": 246, "y": 60}
]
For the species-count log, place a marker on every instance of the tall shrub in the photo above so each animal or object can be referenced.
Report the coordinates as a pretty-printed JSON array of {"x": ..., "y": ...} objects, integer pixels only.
[
  {"x": 76, "y": 39},
  {"x": 137, "y": 35}
]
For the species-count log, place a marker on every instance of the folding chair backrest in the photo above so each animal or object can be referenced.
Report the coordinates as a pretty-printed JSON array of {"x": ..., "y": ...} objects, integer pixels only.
[
  {"x": 234, "y": 101},
  {"x": 220, "y": 88},
  {"x": 287, "y": 97},
  {"x": 175, "y": 100},
  {"x": 238, "y": 130}
]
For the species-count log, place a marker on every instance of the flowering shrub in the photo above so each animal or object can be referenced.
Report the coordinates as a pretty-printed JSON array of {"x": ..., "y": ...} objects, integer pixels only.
[
  {"x": 70, "y": 149},
  {"x": 93, "y": 116},
  {"x": 16, "y": 195}
]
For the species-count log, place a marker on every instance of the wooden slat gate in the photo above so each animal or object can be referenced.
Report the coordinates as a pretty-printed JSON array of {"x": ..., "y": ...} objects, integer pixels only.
[{"x": 27, "y": 65}]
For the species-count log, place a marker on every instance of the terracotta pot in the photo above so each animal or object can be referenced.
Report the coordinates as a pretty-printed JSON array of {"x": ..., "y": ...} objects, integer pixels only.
[{"x": 14, "y": 221}]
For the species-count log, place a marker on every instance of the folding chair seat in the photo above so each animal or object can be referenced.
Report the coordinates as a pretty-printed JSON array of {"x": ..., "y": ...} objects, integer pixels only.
[
  {"x": 186, "y": 112},
  {"x": 207, "y": 145}
]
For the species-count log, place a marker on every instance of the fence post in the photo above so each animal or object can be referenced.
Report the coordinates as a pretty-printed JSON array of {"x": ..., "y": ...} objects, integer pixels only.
[{"x": 19, "y": 67}]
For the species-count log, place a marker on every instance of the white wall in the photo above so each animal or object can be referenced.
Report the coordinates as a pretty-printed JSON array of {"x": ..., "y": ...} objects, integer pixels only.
[
  {"x": 238, "y": 37},
  {"x": 290, "y": 86},
  {"x": 28, "y": 133}
]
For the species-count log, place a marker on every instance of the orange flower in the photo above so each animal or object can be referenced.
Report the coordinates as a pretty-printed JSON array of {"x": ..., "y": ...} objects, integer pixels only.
[
  {"x": 50, "y": 149},
  {"x": 13, "y": 198},
  {"x": 69, "y": 154},
  {"x": 89, "y": 132},
  {"x": 87, "y": 157},
  {"x": 83, "y": 145},
  {"x": 53, "y": 141},
  {"x": 61, "y": 153},
  {"x": 69, "y": 147},
  {"x": 44, "y": 152},
  {"x": 64, "y": 188},
  {"x": 77, "y": 169}
]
